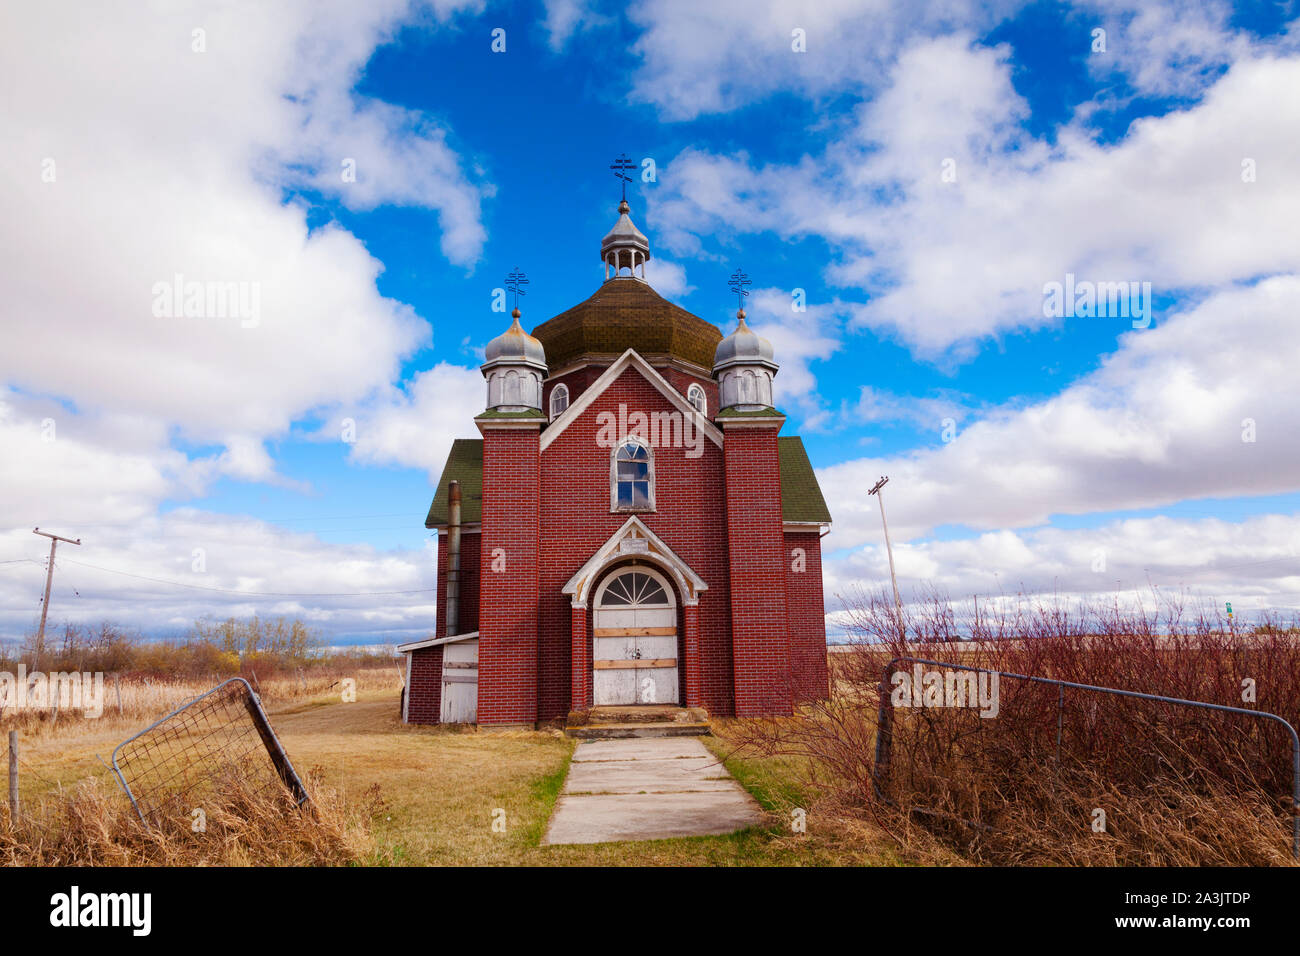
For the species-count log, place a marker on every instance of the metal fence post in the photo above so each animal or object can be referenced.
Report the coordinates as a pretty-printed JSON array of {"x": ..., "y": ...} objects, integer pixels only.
[
  {"x": 884, "y": 733},
  {"x": 13, "y": 776}
]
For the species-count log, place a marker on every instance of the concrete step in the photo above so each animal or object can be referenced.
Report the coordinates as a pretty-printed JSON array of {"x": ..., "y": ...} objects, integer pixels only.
[
  {"x": 641, "y": 714},
  {"x": 606, "y": 730}
]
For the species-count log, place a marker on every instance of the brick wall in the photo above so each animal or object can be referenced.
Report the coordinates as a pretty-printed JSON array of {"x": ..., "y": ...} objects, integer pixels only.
[
  {"x": 807, "y": 614},
  {"x": 580, "y": 379},
  {"x": 756, "y": 542},
  {"x": 469, "y": 573},
  {"x": 576, "y": 520},
  {"x": 507, "y": 621},
  {"x": 424, "y": 702}
]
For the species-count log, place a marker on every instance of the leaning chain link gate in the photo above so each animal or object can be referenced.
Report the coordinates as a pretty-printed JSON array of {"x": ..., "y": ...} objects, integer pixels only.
[
  {"x": 221, "y": 735},
  {"x": 884, "y": 723}
]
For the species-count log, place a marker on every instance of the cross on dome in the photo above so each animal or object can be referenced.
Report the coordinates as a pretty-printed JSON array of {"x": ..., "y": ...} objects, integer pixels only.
[{"x": 625, "y": 246}]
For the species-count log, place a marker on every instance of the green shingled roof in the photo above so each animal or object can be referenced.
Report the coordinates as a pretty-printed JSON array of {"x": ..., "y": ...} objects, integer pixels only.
[
  {"x": 627, "y": 314},
  {"x": 464, "y": 464},
  {"x": 801, "y": 496}
]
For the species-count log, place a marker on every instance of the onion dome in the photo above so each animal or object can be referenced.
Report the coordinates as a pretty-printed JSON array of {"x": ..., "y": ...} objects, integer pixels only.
[
  {"x": 744, "y": 365},
  {"x": 514, "y": 366},
  {"x": 743, "y": 346},
  {"x": 624, "y": 247},
  {"x": 515, "y": 345}
]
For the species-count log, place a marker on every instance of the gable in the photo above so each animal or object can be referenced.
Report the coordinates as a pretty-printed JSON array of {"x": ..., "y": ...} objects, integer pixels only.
[{"x": 629, "y": 359}]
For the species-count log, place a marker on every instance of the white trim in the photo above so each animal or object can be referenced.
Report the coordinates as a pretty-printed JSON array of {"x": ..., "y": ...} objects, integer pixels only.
[
  {"x": 704, "y": 396},
  {"x": 656, "y": 359},
  {"x": 490, "y": 423},
  {"x": 435, "y": 641},
  {"x": 553, "y": 414},
  {"x": 803, "y": 525},
  {"x": 656, "y": 553},
  {"x": 608, "y": 377}
]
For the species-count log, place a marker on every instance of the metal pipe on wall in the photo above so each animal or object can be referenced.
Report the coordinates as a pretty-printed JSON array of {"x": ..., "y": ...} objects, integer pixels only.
[{"x": 453, "y": 558}]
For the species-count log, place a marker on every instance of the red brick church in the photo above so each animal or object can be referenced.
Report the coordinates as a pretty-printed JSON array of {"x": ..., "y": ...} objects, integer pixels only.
[{"x": 630, "y": 529}]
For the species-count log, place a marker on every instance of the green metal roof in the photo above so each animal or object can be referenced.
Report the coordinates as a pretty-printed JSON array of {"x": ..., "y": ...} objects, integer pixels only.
[{"x": 801, "y": 496}]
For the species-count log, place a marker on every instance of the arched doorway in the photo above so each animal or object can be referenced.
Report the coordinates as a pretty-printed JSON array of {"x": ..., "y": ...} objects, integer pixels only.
[{"x": 634, "y": 639}]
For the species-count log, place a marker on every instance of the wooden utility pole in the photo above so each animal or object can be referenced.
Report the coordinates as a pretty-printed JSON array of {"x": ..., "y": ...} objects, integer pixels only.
[
  {"x": 889, "y": 548},
  {"x": 49, "y": 574}
]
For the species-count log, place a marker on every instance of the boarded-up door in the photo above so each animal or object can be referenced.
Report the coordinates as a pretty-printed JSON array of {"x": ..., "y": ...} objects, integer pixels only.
[
  {"x": 634, "y": 652},
  {"x": 460, "y": 682}
]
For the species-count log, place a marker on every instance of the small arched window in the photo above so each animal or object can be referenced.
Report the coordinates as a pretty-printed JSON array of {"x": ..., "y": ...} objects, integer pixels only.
[
  {"x": 695, "y": 395},
  {"x": 632, "y": 478},
  {"x": 559, "y": 400}
]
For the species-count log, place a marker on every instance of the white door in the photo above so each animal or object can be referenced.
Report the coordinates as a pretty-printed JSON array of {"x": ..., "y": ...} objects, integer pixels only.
[
  {"x": 460, "y": 682},
  {"x": 634, "y": 643}
]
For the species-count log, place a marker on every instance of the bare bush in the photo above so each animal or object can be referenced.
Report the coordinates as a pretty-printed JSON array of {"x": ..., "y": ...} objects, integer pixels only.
[{"x": 1176, "y": 785}]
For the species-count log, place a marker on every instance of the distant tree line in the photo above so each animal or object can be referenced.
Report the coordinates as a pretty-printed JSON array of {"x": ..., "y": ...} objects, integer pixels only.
[{"x": 217, "y": 648}]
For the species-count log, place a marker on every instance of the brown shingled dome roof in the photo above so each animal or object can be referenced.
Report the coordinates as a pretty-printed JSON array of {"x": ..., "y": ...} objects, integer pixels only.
[{"x": 624, "y": 314}]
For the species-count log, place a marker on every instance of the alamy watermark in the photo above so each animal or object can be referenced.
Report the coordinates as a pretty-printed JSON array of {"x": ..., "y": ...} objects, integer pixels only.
[
  {"x": 182, "y": 299},
  {"x": 67, "y": 690},
  {"x": 945, "y": 688},
  {"x": 1086, "y": 299},
  {"x": 657, "y": 429}
]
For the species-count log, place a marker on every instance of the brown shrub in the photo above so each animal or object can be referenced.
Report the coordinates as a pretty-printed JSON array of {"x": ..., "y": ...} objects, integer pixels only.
[{"x": 1177, "y": 784}]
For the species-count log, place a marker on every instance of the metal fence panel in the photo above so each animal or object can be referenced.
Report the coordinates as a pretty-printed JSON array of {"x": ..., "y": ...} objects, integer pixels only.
[{"x": 175, "y": 764}]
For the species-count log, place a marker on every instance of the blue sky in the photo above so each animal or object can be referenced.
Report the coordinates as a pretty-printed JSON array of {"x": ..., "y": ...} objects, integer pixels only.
[{"x": 201, "y": 461}]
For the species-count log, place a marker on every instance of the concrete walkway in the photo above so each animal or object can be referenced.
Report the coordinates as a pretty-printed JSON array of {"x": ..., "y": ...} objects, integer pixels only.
[{"x": 648, "y": 789}]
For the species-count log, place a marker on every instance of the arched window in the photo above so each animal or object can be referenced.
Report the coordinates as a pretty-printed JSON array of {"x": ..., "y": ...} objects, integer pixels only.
[
  {"x": 695, "y": 395},
  {"x": 559, "y": 400},
  {"x": 632, "y": 477}
]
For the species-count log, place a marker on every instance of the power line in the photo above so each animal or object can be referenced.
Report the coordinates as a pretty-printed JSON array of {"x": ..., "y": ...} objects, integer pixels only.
[{"x": 204, "y": 587}]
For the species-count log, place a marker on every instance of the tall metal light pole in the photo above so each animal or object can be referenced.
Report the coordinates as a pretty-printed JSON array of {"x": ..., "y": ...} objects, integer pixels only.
[
  {"x": 49, "y": 573},
  {"x": 889, "y": 548}
]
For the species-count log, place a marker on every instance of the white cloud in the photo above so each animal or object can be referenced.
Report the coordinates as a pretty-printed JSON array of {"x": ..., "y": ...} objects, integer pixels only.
[
  {"x": 1170, "y": 48},
  {"x": 414, "y": 426},
  {"x": 169, "y": 162},
  {"x": 799, "y": 338},
  {"x": 668, "y": 278},
  {"x": 204, "y": 565},
  {"x": 567, "y": 18},
  {"x": 1161, "y": 421},
  {"x": 1254, "y": 563},
  {"x": 699, "y": 58},
  {"x": 946, "y": 264}
]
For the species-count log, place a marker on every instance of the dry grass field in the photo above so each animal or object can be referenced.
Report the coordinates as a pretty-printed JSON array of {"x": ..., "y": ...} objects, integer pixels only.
[{"x": 399, "y": 795}]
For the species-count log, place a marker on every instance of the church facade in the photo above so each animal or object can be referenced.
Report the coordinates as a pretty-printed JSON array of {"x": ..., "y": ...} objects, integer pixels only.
[{"x": 631, "y": 528}]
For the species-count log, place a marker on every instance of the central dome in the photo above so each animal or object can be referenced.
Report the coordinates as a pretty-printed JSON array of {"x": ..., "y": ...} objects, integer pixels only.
[{"x": 625, "y": 313}]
